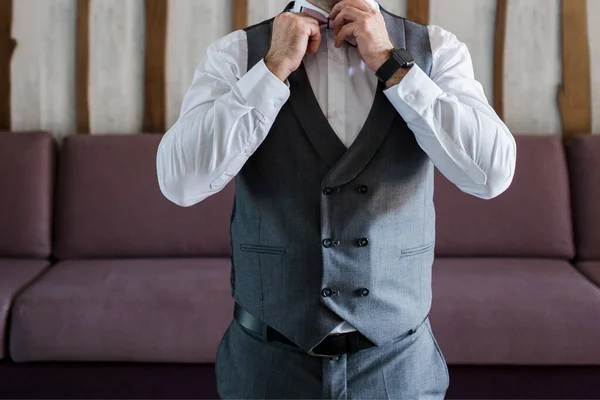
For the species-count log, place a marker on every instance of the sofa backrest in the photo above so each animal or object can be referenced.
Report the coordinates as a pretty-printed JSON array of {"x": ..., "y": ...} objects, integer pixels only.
[
  {"x": 109, "y": 205},
  {"x": 584, "y": 166},
  {"x": 26, "y": 186},
  {"x": 531, "y": 219}
]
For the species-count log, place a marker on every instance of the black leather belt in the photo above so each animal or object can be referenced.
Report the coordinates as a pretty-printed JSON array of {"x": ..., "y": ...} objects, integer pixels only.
[{"x": 332, "y": 346}]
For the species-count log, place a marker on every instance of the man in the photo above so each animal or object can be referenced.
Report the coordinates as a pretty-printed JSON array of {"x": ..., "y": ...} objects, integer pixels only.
[{"x": 333, "y": 131}]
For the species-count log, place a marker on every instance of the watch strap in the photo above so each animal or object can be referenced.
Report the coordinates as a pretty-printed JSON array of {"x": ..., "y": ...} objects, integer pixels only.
[{"x": 400, "y": 58}]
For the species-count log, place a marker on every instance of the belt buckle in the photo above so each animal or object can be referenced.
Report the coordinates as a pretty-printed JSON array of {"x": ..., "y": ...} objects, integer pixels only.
[{"x": 312, "y": 353}]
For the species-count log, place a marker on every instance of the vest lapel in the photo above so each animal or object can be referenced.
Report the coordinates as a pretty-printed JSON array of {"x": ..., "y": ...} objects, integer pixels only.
[
  {"x": 345, "y": 164},
  {"x": 308, "y": 111},
  {"x": 314, "y": 123},
  {"x": 376, "y": 127},
  {"x": 356, "y": 158}
]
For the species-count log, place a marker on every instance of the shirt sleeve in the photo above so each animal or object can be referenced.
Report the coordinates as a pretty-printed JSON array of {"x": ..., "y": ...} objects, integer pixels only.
[
  {"x": 226, "y": 114},
  {"x": 453, "y": 122}
]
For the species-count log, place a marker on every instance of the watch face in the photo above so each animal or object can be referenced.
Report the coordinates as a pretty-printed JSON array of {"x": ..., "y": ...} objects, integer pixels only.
[{"x": 403, "y": 57}]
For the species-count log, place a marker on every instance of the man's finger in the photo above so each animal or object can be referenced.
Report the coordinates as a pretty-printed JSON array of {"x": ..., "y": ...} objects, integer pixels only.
[
  {"x": 347, "y": 30},
  {"x": 314, "y": 40},
  {"x": 348, "y": 14},
  {"x": 360, "y": 4}
]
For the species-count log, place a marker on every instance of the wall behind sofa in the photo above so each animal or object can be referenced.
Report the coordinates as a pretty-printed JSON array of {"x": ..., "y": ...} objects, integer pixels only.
[{"x": 43, "y": 65}]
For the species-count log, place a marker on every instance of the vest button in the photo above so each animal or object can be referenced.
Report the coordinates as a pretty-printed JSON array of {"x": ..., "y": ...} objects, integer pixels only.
[
  {"x": 363, "y": 189},
  {"x": 328, "y": 292},
  {"x": 328, "y": 191},
  {"x": 327, "y": 243},
  {"x": 364, "y": 292},
  {"x": 363, "y": 242}
]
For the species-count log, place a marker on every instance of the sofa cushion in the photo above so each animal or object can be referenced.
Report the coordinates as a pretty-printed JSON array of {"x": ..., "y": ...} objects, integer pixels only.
[
  {"x": 584, "y": 165},
  {"x": 170, "y": 310},
  {"x": 515, "y": 312},
  {"x": 14, "y": 276},
  {"x": 531, "y": 219},
  {"x": 591, "y": 269},
  {"x": 26, "y": 175},
  {"x": 110, "y": 205}
]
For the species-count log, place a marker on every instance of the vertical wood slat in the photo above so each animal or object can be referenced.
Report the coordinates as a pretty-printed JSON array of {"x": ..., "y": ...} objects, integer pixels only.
[
  {"x": 155, "y": 66},
  {"x": 7, "y": 48},
  {"x": 499, "y": 56},
  {"x": 418, "y": 11},
  {"x": 575, "y": 93},
  {"x": 82, "y": 68},
  {"x": 239, "y": 11}
]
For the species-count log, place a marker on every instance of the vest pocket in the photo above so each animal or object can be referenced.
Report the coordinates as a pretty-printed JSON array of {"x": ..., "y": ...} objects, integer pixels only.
[
  {"x": 256, "y": 248},
  {"x": 417, "y": 250}
]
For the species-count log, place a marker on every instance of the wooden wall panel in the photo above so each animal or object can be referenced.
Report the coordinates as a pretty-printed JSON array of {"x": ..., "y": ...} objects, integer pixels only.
[
  {"x": 43, "y": 93},
  {"x": 533, "y": 69},
  {"x": 261, "y": 10},
  {"x": 7, "y": 47},
  {"x": 499, "y": 53},
  {"x": 239, "y": 14},
  {"x": 193, "y": 25},
  {"x": 575, "y": 96},
  {"x": 43, "y": 67},
  {"x": 418, "y": 11},
  {"x": 155, "y": 66},
  {"x": 116, "y": 91},
  {"x": 594, "y": 37},
  {"x": 82, "y": 67},
  {"x": 472, "y": 21}
]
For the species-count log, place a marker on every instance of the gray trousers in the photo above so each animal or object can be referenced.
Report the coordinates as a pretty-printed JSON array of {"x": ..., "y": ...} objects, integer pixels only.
[{"x": 248, "y": 367}]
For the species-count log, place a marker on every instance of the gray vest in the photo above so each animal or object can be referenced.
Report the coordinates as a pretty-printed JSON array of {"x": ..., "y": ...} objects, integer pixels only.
[{"x": 321, "y": 233}]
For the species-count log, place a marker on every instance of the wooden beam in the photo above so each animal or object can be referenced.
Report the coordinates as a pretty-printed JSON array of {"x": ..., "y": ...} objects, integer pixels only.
[
  {"x": 82, "y": 68},
  {"x": 7, "y": 48},
  {"x": 155, "y": 67},
  {"x": 239, "y": 13},
  {"x": 418, "y": 11},
  {"x": 575, "y": 93},
  {"x": 499, "y": 54}
]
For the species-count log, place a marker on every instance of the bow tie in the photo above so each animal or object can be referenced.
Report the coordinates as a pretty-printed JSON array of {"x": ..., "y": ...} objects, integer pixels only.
[{"x": 326, "y": 23}]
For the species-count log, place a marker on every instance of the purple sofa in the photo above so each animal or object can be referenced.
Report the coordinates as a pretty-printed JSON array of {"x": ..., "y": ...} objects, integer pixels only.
[
  {"x": 584, "y": 158},
  {"x": 26, "y": 182},
  {"x": 132, "y": 295}
]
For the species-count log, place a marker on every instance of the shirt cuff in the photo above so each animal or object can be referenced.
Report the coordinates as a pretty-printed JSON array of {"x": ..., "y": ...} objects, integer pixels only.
[
  {"x": 415, "y": 93},
  {"x": 263, "y": 90}
]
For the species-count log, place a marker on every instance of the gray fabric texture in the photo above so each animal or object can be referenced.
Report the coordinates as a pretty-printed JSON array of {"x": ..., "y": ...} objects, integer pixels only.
[
  {"x": 411, "y": 367},
  {"x": 282, "y": 215}
]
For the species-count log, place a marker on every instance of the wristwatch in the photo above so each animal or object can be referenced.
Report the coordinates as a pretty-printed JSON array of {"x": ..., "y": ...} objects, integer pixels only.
[{"x": 400, "y": 58}]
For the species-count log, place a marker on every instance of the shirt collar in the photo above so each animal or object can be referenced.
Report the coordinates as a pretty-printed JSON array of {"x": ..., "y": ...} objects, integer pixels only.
[{"x": 298, "y": 4}]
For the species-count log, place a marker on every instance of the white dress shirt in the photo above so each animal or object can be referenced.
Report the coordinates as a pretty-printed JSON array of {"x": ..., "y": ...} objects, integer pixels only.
[{"x": 228, "y": 112}]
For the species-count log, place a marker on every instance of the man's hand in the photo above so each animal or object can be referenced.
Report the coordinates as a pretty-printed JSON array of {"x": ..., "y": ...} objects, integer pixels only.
[
  {"x": 357, "y": 18},
  {"x": 293, "y": 36}
]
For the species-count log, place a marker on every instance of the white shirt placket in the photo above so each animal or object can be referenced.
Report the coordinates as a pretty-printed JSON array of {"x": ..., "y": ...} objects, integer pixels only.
[{"x": 337, "y": 73}]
